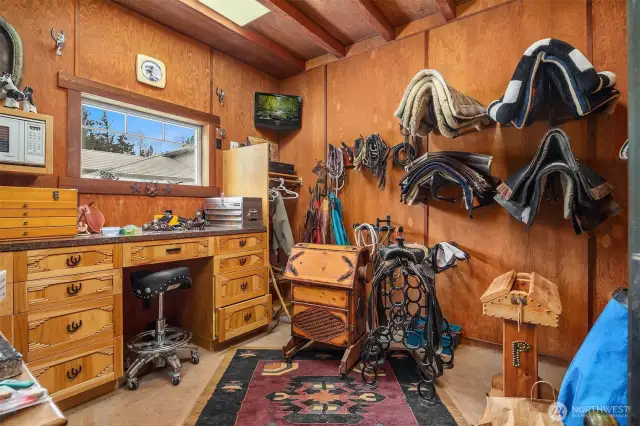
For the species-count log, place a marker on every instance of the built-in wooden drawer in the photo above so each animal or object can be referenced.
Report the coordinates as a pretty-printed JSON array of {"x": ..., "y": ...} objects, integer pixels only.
[
  {"x": 234, "y": 262},
  {"x": 33, "y": 222},
  {"x": 47, "y": 231},
  {"x": 36, "y": 264},
  {"x": 52, "y": 292},
  {"x": 239, "y": 243},
  {"x": 243, "y": 317},
  {"x": 29, "y": 213},
  {"x": 81, "y": 369},
  {"x": 149, "y": 252},
  {"x": 48, "y": 332},
  {"x": 320, "y": 296},
  {"x": 239, "y": 286},
  {"x": 321, "y": 324}
]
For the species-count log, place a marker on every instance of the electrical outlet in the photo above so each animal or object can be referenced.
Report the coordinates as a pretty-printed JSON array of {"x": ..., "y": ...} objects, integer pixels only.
[{"x": 234, "y": 144}]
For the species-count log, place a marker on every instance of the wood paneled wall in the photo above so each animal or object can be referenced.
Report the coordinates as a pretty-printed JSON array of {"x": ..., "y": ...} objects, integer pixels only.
[
  {"x": 478, "y": 55},
  {"x": 103, "y": 40}
]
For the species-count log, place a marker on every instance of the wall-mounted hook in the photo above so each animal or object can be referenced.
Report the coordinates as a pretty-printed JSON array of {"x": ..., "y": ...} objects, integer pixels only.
[
  {"x": 59, "y": 39},
  {"x": 221, "y": 94}
]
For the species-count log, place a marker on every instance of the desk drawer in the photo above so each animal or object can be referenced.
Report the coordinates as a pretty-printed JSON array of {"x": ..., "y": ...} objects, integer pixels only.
[
  {"x": 64, "y": 261},
  {"x": 29, "y": 213},
  {"x": 239, "y": 243},
  {"x": 81, "y": 369},
  {"x": 34, "y": 222},
  {"x": 240, "y": 286},
  {"x": 243, "y": 317},
  {"x": 51, "y": 292},
  {"x": 150, "y": 252},
  {"x": 52, "y": 331},
  {"x": 234, "y": 262}
]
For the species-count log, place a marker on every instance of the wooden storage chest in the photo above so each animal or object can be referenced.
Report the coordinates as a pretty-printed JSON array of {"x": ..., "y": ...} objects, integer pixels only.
[
  {"x": 328, "y": 287},
  {"x": 37, "y": 212}
]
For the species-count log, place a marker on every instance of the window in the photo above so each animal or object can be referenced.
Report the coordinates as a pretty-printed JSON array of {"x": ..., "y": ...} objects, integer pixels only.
[{"x": 122, "y": 142}]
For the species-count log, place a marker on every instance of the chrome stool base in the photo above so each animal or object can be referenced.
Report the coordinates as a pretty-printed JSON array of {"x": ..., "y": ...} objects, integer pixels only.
[{"x": 159, "y": 347}]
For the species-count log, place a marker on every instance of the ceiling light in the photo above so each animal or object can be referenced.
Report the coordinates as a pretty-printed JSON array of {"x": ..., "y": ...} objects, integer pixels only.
[{"x": 239, "y": 11}]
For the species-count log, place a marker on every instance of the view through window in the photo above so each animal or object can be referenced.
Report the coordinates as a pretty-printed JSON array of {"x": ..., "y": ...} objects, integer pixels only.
[{"x": 125, "y": 144}]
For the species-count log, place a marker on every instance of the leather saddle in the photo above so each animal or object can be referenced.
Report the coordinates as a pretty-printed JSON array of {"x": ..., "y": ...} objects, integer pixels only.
[
  {"x": 587, "y": 195},
  {"x": 436, "y": 170}
]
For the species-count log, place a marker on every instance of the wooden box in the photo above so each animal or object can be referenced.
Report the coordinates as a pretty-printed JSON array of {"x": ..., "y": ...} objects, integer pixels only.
[
  {"x": 37, "y": 212},
  {"x": 328, "y": 287}
]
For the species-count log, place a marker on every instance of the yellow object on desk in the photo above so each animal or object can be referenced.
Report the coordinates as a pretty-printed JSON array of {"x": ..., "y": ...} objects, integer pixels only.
[{"x": 172, "y": 222}]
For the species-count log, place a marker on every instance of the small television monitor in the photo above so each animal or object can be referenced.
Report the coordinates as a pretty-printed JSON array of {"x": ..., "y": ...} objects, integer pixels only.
[{"x": 278, "y": 112}]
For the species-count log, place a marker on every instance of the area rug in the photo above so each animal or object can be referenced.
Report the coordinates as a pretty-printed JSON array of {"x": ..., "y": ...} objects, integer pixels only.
[{"x": 255, "y": 387}]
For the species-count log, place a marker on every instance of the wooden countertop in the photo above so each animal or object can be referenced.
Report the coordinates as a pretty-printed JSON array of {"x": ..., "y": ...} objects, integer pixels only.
[{"x": 95, "y": 239}]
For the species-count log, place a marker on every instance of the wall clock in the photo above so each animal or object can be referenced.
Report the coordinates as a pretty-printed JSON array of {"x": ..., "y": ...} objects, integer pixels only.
[{"x": 151, "y": 71}]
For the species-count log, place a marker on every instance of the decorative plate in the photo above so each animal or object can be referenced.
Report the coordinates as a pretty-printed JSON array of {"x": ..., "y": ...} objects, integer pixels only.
[{"x": 151, "y": 71}]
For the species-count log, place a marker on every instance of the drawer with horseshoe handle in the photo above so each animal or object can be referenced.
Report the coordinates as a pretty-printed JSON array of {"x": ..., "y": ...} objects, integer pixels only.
[
  {"x": 48, "y": 263},
  {"x": 231, "y": 262},
  {"x": 234, "y": 287},
  {"x": 239, "y": 243}
]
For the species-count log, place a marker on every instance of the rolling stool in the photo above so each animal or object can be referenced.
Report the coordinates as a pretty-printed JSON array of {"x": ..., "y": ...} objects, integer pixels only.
[{"x": 160, "y": 345}]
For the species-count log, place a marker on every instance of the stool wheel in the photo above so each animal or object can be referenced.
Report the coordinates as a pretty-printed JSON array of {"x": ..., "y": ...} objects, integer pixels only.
[
  {"x": 343, "y": 376},
  {"x": 287, "y": 360},
  {"x": 195, "y": 358},
  {"x": 175, "y": 380},
  {"x": 132, "y": 383}
]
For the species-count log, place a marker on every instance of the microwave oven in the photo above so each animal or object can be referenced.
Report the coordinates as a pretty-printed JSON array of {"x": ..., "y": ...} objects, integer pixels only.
[{"x": 22, "y": 140}]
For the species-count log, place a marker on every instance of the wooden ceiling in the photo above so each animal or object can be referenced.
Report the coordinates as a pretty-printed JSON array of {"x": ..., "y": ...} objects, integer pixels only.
[{"x": 295, "y": 31}]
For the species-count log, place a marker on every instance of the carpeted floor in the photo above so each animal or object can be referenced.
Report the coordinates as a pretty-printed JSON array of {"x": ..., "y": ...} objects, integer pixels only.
[{"x": 255, "y": 387}]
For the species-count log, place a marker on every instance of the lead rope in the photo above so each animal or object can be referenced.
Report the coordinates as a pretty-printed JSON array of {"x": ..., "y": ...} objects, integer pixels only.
[{"x": 335, "y": 168}]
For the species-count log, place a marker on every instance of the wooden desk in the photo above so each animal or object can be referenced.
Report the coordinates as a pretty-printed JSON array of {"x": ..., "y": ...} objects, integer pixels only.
[
  {"x": 45, "y": 414},
  {"x": 64, "y": 299}
]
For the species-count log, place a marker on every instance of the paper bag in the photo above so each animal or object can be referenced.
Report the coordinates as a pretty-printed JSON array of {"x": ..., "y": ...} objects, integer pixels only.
[{"x": 502, "y": 411}]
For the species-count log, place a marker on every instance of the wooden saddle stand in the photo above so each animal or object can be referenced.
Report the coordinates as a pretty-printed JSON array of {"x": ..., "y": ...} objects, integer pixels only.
[
  {"x": 523, "y": 301},
  {"x": 329, "y": 297}
]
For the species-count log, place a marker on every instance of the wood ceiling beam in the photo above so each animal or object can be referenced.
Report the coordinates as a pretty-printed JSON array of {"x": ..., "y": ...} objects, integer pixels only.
[
  {"x": 258, "y": 39},
  {"x": 202, "y": 23},
  {"x": 376, "y": 18},
  {"x": 315, "y": 32},
  {"x": 447, "y": 8}
]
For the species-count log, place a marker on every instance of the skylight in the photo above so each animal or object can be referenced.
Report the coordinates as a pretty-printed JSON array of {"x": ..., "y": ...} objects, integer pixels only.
[{"x": 239, "y": 11}]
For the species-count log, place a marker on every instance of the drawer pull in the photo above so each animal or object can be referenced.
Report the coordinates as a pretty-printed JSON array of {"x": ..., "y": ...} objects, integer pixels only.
[
  {"x": 74, "y": 372},
  {"x": 73, "y": 261},
  {"x": 243, "y": 260},
  {"x": 25, "y": 205},
  {"x": 243, "y": 242},
  {"x": 25, "y": 214},
  {"x": 244, "y": 286},
  {"x": 74, "y": 326},
  {"x": 73, "y": 289},
  {"x": 25, "y": 233},
  {"x": 247, "y": 317},
  {"x": 25, "y": 223},
  {"x": 173, "y": 250}
]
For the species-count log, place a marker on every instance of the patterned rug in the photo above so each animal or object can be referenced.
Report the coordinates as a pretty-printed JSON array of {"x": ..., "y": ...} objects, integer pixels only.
[{"x": 255, "y": 387}]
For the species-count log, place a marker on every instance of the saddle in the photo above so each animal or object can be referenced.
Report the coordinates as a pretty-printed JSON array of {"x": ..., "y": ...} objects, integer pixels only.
[
  {"x": 553, "y": 75},
  {"x": 587, "y": 195},
  {"x": 436, "y": 170}
]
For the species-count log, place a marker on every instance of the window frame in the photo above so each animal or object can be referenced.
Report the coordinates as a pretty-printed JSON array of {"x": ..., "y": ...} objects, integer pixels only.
[
  {"x": 211, "y": 157},
  {"x": 132, "y": 110}
]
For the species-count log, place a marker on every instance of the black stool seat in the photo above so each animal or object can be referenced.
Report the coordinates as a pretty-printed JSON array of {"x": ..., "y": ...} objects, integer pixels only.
[{"x": 147, "y": 284}]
